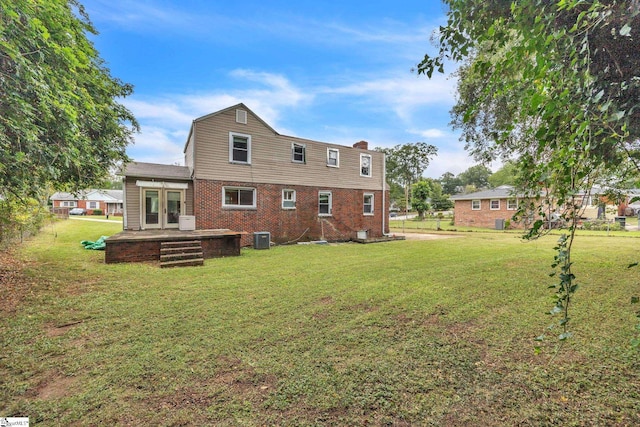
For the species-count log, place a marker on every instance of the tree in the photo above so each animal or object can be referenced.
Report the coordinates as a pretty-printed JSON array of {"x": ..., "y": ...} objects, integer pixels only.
[
  {"x": 506, "y": 175},
  {"x": 553, "y": 84},
  {"x": 420, "y": 194},
  {"x": 450, "y": 183},
  {"x": 439, "y": 201},
  {"x": 406, "y": 163},
  {"x": 477, "y": 175},
  {"x": 61, "y": 122}
]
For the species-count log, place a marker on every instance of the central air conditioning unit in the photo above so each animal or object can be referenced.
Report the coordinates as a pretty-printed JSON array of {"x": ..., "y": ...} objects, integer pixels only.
[
  {"x": 261, "y": 240},
  {"x": 187, "y": 222}
]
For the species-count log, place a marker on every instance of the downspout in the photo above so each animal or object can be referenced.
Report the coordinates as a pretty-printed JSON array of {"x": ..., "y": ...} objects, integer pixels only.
[
  {"x": 124, "y": 203},
  {"x": 384, "y": 191}
]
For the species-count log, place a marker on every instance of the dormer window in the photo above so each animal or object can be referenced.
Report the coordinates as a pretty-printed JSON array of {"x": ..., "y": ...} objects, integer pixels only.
[
  {"x": 298, "y": 153},
  {"x": 333, "y": 157},
  {"x": 365, "y": 165}
]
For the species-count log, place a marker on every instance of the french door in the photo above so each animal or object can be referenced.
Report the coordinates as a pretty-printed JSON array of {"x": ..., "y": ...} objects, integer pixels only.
[{"x": 161, "y": 208}]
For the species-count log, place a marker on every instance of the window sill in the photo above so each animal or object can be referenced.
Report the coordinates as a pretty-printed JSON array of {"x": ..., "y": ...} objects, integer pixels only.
[
  {"x": 288, "y": 209},
  {"x": 239, "y": 163},
  {"x": 240, "y": 208},
  {"x": 325, "y": 215}
]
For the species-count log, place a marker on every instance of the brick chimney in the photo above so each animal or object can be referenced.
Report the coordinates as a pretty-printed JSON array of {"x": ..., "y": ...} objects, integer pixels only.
[{"x": 363, "y": 145}]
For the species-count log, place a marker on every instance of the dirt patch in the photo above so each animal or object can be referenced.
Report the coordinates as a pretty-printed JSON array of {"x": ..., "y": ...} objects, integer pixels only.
[
  {"x": 15, "y": 286},
  {"x": 55, "y": 387},
  {"x": 58, "y": 330},
  {"x": 424, "y": 236}
]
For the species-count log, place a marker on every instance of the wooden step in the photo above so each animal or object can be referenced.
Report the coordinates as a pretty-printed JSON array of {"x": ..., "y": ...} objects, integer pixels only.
[
  {"x": 180, "y": 243},
  {"x": 182, "y": 263},
  {"x": 180, "y": 250},
  {"x": 183, "y": 253}
]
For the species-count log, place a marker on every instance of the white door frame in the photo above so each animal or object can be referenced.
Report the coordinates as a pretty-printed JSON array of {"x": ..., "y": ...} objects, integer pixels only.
[
  {"x": 165, "y": 219},
  {"x": 143, "y": 209}
]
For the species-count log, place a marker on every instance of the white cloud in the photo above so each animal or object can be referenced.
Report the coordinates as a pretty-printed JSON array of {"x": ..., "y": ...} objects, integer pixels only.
[
  {"x": 163, "y": 110},
  {"x": 404, "y": 93},
  {"x": 449, "y": 161},
  {"x": 429, "y": 133},
  {"x": 165, "y": 120},
  {"x": 158, "y": 145}
]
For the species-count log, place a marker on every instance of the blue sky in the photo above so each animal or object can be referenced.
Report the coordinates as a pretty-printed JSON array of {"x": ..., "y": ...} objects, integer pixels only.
[{"x": 336, "y": 72}]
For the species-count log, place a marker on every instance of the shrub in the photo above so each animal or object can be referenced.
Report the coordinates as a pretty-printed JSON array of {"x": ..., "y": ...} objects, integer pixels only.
[
  {"x": 97, "y": 212},
  {"x": 601, "y": 225}
]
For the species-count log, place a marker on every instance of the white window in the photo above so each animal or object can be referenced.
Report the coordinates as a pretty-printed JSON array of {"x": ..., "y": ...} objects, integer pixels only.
[
  {"x": 333, "y": 157},
  {"x": 495, "y": 205},
  {"x": 93, "y": 205},
  {"x": 69, "y": 204},
  {"x": 365, "y": 165},
  {"x": 324, "y": 203},
  {"x": 475, "y": 205},
  {"x": 288, "y": 199},
  {"x": 367, "y": 204},
  {"x": 512, "y": 204},
  {"x": 239, "y": 148},
  {"x": 238, "y": 197},
  {"x": 298, "y": 153},
  {"x": 241, "y": 117}
]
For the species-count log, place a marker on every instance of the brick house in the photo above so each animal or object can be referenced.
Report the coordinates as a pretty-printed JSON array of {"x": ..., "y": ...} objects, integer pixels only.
[
  {"x": 487, "y": 208},
  {"x": 240, "y": 174},
  {"x": 108, "y": 201}
]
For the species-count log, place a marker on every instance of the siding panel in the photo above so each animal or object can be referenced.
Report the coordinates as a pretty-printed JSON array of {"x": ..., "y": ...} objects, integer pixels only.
[{"x": 271, "y": 157}]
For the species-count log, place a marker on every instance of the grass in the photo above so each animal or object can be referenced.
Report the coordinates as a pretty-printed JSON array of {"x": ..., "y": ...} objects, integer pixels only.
[
  {"x": 445, "y": 225},
  {"x": 435, "y": 332}
]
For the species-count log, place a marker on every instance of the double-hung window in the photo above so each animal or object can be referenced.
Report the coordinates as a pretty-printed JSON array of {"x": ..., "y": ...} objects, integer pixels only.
[
  {"x": 69, "y": 204},
  {"x": 238, "y": 197},
  {"x": 93, "y": 205},
  {"x": 298, "y": 153},
  {"x": 239, "y": 148},
  {"x": 365, "y": 165},
  {"x": 367, "y": 204},
  {"x": 475, "y": 205},
  {"x": 333, "y": 157},
  {"x": 288, "y": 199},
  {"x": 324, "y": 203},
  {"x": 512, "y": 204},
  {"x": 495, "y": 205}
]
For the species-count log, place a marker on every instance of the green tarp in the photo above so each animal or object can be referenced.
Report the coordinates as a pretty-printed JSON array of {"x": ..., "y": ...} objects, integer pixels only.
[{"x": 98, "y": 245}]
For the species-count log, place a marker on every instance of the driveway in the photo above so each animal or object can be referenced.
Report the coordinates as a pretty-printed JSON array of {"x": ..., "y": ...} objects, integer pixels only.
[{"x": 424, "y": 236}]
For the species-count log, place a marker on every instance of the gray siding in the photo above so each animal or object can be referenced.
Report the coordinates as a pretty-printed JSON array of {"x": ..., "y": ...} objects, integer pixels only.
[
  {"x": 132, "y": 204},
  {"x": 134, "y": 198},
  {"x": 271, "y": 157},
  {"x": 188, "y": 152}
]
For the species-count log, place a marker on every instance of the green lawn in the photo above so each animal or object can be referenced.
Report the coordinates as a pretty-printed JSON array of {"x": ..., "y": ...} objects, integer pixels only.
[
  {"x": 445, "y": 225},
  {"x": 436, "y": 332}
]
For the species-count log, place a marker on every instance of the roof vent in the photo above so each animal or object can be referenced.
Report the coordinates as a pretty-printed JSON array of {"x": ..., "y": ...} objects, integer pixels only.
[{"x": 241, "y": 117}]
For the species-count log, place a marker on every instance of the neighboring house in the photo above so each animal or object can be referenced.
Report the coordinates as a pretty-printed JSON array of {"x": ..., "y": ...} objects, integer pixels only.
[
  {"x": 631, "y": 206},
  {"x": 240, "y": 174},
  {"x": 487, "y": 208},
  {"x": 108, "y": 201},
  {"x": 492, "y": 208}
]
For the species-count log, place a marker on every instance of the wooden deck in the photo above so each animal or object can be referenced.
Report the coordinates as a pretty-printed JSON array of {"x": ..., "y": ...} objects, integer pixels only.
[{"x": 144, "y": 245}]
